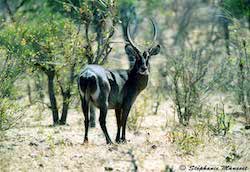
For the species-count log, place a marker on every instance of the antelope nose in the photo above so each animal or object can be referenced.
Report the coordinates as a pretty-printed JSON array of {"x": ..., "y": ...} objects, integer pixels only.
[{"x": 144, "y": 68}]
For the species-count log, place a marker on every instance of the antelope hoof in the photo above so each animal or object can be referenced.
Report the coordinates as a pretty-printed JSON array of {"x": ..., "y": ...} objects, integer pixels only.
[
  {"x": 85, "y": 141},
  {"x": 123, "y": 141},
  {"x": 62, "y": 122},
  {"x": 109, "y": 142},
  {"x": 118, "y": 141}
]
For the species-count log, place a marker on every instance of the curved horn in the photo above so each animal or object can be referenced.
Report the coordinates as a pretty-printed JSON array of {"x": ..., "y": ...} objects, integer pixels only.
[
  {"x": 155, "y": 32},
  {"x": 129, "y": 38}
]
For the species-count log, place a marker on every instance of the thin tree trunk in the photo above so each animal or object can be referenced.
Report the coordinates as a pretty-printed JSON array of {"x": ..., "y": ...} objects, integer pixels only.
[
  {"x": 226, "y": 35},
  {"x": 66, "y": 98},
  {"x": 39, "y": 87},
  {"x": 29, "y": 93},
  {"x": 9, "y": 11},
  {"x": 52, "y": 97},
  {"x": 242, "y": 92},
  {"x": 177, "y": 102},
  {"x": 248, "y": 21},
  {"x": 225, "y": 24},
  {"x": 66, "y": 95},
  {"x": 246, "y": 91}
]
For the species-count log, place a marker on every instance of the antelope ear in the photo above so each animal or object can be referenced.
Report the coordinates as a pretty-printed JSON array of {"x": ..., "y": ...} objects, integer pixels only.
[
  {"x": 130, "y": 51},
  {"x": 155, "y": 50}
]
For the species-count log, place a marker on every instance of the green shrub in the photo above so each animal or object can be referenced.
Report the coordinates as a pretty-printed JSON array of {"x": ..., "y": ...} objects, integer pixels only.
[
  {"x": 187, "y": 82},
  {"x": 233, "y": 154},
  {"x": 186, "y": 142},
  {"x": 222, "y": 124},
  {"x": 10, "y": 114}
]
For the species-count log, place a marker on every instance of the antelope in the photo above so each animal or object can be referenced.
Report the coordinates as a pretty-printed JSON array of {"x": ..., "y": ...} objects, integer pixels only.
[{"x": 115, "y": 89}]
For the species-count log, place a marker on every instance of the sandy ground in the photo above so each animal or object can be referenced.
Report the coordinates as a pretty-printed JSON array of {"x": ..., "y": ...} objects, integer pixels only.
[{"x": 35, "y": 146}]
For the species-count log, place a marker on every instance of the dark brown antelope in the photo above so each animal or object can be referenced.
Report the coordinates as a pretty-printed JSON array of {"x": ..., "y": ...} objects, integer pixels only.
[{"x": 115, "y": 89}]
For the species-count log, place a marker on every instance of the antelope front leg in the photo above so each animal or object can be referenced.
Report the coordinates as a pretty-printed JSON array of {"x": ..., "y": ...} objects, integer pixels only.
[
  {"x": 102, "y": 120},
  {"x": 125, "y": 113}
]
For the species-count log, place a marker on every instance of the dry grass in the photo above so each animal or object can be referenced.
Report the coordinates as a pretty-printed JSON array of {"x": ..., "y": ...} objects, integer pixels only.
[{"x": 36, "y": 146}]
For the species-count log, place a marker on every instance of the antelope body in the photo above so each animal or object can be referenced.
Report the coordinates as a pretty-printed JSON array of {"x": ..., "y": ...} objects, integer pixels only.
[{"x": 115, "y": 89}]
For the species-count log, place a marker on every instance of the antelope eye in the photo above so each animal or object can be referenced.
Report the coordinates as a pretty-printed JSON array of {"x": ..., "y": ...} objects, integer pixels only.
[
  {"x": 140, "y": 60},
  {"x": 146, "y": 55}
]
